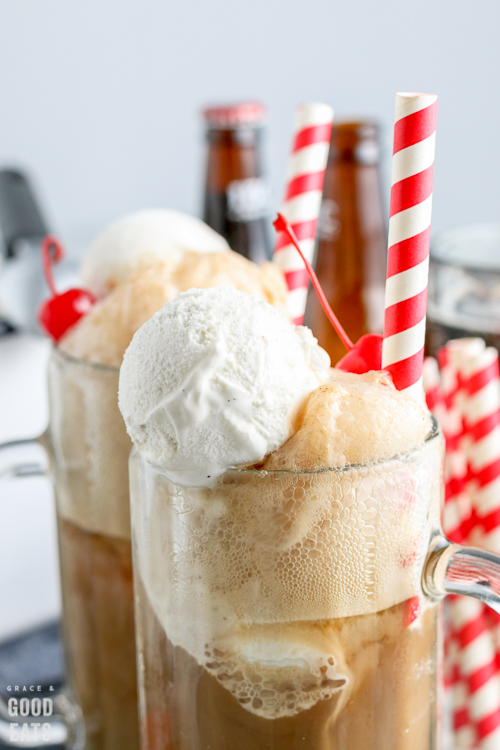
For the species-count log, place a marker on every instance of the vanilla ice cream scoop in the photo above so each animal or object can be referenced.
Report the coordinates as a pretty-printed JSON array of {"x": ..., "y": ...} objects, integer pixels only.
[
  {"x": 143, "y": 239},
  {"x": 215, "y": 379}
]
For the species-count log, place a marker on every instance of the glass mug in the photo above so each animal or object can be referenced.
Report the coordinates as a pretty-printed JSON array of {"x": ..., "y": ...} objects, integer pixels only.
[
  {"x": 464, "y": 286},
  {"x": 88, "y": 449},
  {"x": 285, "y": 610}
]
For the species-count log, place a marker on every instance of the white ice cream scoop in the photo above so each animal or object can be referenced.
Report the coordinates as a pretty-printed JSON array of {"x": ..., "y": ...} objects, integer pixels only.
[
  {"x": 216, "y": 379},
  {"x": 143, "y": 239}
]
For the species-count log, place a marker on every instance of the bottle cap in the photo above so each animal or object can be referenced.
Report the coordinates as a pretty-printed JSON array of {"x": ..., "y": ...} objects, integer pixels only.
[{"x": 234, "y": 115}]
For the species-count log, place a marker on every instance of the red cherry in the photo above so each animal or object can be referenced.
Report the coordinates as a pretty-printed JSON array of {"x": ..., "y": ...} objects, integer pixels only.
[
  {"x": 61, "y": 311},
  {"x": 365, "y": 355}
]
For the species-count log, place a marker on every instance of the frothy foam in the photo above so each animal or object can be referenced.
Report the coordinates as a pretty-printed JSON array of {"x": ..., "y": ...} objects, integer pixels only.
[
  {"x": 353, "y": 419},
  {"x": 105, "y": 332},
  {"x": 91, "y": 446},
  {"x": 275, "y": 670},
  {"x": 265, "y": 556}
]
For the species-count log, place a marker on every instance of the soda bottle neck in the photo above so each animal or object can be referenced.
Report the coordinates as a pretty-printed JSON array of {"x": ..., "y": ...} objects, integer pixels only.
[
  {"x": 355, "y": 143},
  {"x": 236, "y": 195},
  {"x": 245, "y": 136},
  {"x": 233, "y": 154}
]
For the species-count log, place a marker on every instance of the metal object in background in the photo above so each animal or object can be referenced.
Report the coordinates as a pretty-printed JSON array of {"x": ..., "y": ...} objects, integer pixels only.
[
  {"x": 20, "y": 217},
  {"x": 22, "y": 283}
]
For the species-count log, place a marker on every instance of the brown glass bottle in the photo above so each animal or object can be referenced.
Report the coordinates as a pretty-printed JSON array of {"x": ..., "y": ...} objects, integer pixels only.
[
  {"x": 236, "y": 195},
  {"x": 350, "y": 258}
]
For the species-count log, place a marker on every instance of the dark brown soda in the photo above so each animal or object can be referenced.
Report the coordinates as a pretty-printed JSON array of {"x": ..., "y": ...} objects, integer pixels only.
[
  {"x": 350, "y": 259},
  {"x": 99, "y": 634},
  {"x": 390, "y": 702}
]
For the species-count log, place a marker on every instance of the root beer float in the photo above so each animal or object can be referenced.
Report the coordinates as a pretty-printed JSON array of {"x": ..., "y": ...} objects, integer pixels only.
[
  {"x": 282, "y": 513},
  {"x": 131, "y": 269}
]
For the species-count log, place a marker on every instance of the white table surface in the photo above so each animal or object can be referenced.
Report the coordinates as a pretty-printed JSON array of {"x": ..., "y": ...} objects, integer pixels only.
[{"x": 29, "y": 580}]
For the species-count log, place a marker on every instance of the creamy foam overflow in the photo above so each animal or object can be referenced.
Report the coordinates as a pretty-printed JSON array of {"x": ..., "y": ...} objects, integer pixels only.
[
  {"x": 103, "y": 335},
  {"x": 353, "y": 419}
]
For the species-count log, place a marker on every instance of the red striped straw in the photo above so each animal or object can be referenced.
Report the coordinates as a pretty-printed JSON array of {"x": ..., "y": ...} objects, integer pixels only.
[
  {"x": 470, "y": 388},
  {"x": 458, "y": 517},
  {"x": 441, "y": 391},
  {"x": 434, "y": 398},
  {"x": 476, "y": 662},
  {"x": 409, "y": 238},
  {"x": 463, "y": 732},
  {"x": 482, "y": 424},
  {"x": 478, "y": 396},
  {"x": 304, "y": 187}
]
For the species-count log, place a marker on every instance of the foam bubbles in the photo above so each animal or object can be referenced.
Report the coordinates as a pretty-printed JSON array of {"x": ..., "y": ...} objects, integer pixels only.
[
  {"x": 91, "y": 446},
  {"x": 276, "y": 671},
  {"x": 242, "y": 576}
]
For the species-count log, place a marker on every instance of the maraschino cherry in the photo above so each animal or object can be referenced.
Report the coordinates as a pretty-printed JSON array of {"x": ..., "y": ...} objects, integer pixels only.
[
  {"x": 61, "y": 311},
  {"x": 365, "y": 354}
]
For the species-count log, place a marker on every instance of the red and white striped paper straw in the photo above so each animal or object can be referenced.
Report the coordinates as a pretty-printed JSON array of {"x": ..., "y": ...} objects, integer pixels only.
[
  {"x": 482, "y": 425},
  {"x": 304, "y": 188},
  {"x": 458, "y": 510},
  {"x": 470, "y": 389},
  {"x": 431, "y": 381},
  {"x": 480, "y": 407},
  {"x": 463, "y": 732},
  {"x": 409, "y": 239},
  {"x": 441, "y": 391},
  {"x": 480, "y": 375},
  {"x": 476, "y": 661}
]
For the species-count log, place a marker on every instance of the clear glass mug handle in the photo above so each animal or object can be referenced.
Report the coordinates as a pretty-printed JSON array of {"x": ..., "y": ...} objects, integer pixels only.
[
  {"x": 468, "y": 571},
  {"x": 20, "y": 459}
]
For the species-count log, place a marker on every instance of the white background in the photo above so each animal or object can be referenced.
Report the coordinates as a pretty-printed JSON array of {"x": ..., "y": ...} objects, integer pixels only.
[{"x": 99, "y": 100}]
